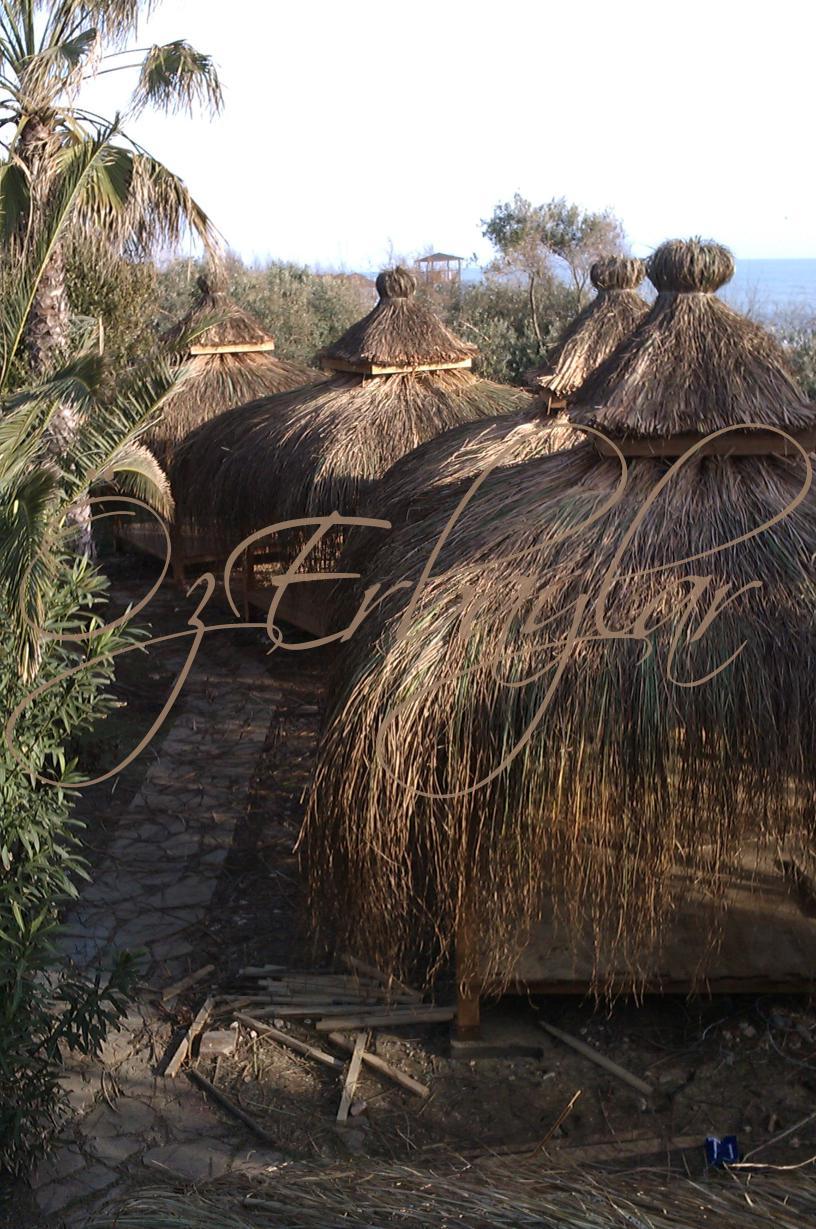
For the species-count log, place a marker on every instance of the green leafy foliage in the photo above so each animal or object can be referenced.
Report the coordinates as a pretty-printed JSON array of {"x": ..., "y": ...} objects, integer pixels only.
[
  {"x": 546, "y": 242},
  {"x": 796, "y": 329},
  {"x": 43, "y": 1013},
  {"x": 495, "y": 316},
  {"x": 303, "y": 310},
  {"x": 46, "y": 594},
  {"x": 116, "y": 301}
]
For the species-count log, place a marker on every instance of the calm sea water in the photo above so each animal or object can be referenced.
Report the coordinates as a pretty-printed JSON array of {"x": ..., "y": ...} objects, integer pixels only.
[
  {"x": 764, "y": 288},
  {"x": 768, "y": 287}
]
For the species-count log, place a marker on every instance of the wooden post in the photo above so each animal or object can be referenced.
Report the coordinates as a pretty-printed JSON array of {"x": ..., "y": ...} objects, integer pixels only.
[{"x": 468, "y": 1014}]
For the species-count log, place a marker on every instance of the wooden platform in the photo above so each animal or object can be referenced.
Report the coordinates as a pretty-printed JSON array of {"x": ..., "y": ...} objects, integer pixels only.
[
  {"x": 188, "y": 549},
  {"x": 193, "y": 552},
  {"x": 298, "y": 606},
  {"x": 768, "y": 946}
]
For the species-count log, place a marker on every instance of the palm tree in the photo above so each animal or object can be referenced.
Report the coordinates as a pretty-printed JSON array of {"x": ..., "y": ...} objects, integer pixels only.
[
  {"x": 132, "y": 202},
  {"x": 42, "y": 476}
]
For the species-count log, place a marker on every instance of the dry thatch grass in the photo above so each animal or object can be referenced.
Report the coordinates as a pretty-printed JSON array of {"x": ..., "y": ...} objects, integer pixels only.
[
  {"x": 517, "y": 1193},
  {"x": 413, "y": 484},
  {"x": 321, "y": 448},
  {"x": 212, "y": 383},
  {"x": 626, "y": 775},
  {"x": 695, "y": 364},
  {"x": 400, "y": 331},
  {"x": 596, "y": 332}
]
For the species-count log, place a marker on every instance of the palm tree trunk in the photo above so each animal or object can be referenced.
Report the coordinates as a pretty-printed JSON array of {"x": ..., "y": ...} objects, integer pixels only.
[{"x": 47, "y": 328}]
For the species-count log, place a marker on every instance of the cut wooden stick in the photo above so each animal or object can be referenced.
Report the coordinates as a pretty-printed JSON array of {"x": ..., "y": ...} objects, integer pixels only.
[
  {"x": 604, "y": 1149},
  {"x": 185, "y": 1045},
  {"x": 186, "y": 982},
  {"x": 310, "y": 1011},
  {"x": 566, "y": 1111},
  {"x": 599, "y": 1059},
  {"x": 325, "y": 998},
  {"x": 384, "y": 1019},
  {"x": 231, "y": 1107},
  {"x": 294, "y": 1043},
  {"x": 226, "y": 1004},
  {"x": 384, "y": 1068},
  {"x": 262, "y": 970},
  {"x": 352, "y": 1076},
  {"x": 390, "y": 983}
]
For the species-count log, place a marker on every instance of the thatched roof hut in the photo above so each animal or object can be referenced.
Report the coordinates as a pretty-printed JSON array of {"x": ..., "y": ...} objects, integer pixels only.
[
  {"x": 524, "y": 727},
  {"x": 229, "y": 361},
  {"x": 534, "y": 430},
  {"x": 612, "y": 315},
  {"x": 397, "y": 378}
]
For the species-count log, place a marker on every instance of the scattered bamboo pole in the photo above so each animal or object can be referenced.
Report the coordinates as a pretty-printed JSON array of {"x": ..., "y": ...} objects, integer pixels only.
[
  {"x": 384, "y": 1068},
  {"x": 262, "y": 970},
  {"x": 352, "y": 1076},
  {"x": 384, "y": 1019},
  {"x": 294, "y": 1043},
  {"x": 230, "y": 1106},
  {"x": 599, "y": 1059},
  {"x": 391, "y": 984},
  {"x": 311, "y": 1011},
  {"x": 186, "y": 982}
]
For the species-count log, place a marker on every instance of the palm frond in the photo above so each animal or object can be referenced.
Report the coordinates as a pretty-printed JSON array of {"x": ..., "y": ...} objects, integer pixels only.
[
  {"x": 176, "y": 77},
  {"x": 28, "y": 521},
  {"x": 137, "y": 472},
  {"x": 115, "y": 20},
  {"x": 132, "y": 203},
  {"x": 78, "y": 382},
  {"x": 15, "y": 199},
  {"x": 28, "y": 414},
  {"x": 107, "y": 441}
]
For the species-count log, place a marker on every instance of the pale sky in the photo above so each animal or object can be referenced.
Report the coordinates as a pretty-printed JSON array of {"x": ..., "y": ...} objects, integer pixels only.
[{"x": 353, "y": 130}]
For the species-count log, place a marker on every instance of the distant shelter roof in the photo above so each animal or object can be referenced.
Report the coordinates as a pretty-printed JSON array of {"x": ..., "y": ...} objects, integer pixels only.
[{"x": 426, "y": 260}]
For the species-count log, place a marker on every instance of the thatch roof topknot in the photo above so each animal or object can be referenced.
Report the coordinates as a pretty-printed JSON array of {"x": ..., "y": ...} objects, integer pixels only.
[
  {"x": 218, "y": 321},
  {"x": 690, "y": 266},
  {"x": 694, "y": 365},
  {"x": 401, "y": 333},
  {"x": 617, "y": 273},
  {"x": 398, "y": 283}
]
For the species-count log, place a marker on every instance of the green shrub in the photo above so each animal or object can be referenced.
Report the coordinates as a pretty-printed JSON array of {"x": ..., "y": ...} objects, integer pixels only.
[
  {"x": 302, "y": 309},
  {"x": 44, "y": 1012},
  {"x": 495, "y": 316},
  {"x": 796, "y": 330}
]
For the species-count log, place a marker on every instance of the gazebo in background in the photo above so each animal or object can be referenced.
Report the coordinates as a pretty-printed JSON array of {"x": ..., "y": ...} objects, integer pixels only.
[{"x": 440, "y": 269}]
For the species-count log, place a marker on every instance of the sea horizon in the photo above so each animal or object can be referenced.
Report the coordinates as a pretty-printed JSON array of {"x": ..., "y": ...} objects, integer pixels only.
[{"x": 761, "y": 286}]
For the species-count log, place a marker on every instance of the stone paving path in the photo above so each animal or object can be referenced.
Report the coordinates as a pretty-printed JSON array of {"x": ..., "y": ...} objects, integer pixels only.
[{"x": 152, "y": 892}]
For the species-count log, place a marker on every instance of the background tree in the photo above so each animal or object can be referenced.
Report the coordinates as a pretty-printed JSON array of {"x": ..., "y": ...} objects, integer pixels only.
[
  {"x": 494, "y": 314},
  {"x": 535, "y": 240}
]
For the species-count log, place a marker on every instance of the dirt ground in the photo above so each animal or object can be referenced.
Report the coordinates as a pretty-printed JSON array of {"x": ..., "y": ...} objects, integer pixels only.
[{"x": 743, "y": 1066}]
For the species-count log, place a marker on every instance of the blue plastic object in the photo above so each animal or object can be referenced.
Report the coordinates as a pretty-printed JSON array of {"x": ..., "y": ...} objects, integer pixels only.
[{"x": 722, "y": 1151}]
